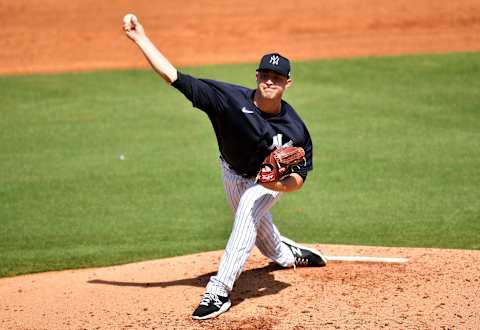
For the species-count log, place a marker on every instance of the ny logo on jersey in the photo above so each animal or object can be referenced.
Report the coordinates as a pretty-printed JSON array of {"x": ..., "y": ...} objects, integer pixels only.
[
  {"x": 277, "y": 142},
  {"x": 274, "y": 59}
]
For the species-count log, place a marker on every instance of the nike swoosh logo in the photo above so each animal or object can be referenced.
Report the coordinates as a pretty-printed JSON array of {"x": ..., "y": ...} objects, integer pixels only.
[{"x": 245, "y": 110}]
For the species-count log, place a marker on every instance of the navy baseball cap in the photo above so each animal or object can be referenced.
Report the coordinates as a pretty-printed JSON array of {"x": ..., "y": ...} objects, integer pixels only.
[{"x": 275, "y": 62}]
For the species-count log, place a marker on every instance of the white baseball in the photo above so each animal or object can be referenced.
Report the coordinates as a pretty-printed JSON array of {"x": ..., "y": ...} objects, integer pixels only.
[{"x": 127, "y": 19}]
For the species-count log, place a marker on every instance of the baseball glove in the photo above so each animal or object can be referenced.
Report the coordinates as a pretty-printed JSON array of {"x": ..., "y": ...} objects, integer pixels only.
[{"x": 279, "y": 163}]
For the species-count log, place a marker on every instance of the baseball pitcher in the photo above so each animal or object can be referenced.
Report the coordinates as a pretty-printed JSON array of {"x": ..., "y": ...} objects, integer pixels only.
[{"x": 265, "y": 150}]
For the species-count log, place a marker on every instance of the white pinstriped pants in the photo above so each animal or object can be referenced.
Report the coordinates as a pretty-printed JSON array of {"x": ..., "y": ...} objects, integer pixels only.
[{"x": 253, "y": 225}]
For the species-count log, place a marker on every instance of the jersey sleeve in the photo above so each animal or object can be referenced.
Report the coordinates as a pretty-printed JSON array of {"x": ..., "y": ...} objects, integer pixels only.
[{"x": 204, "y": 94}]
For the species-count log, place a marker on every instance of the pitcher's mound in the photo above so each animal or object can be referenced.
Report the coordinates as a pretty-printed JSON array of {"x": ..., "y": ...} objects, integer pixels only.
[{"x": 434, "y": 289}]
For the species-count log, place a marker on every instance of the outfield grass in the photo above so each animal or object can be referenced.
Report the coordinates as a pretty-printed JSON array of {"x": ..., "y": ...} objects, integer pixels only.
[{"x": 396, "y": 147}]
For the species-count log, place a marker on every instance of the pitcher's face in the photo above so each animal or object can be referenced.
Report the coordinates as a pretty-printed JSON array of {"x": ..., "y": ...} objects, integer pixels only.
[{"x": 271, "y": 84}]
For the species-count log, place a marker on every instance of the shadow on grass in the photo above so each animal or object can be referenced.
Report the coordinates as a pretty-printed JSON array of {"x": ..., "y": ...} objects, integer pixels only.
[{"x": 252, "y": 283}]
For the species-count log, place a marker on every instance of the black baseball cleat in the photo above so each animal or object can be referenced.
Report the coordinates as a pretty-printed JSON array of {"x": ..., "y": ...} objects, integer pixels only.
[
  {"x": 305, "y": 256},
  {"x": 211, "y": 306}
]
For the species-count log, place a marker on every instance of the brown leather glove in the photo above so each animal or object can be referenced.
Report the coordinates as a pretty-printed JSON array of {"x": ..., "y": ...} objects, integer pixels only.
[{"x": 279, "y": 163}]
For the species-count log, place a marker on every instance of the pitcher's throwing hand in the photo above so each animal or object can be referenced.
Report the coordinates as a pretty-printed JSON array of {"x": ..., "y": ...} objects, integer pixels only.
[{"x": 132, "y": 27}]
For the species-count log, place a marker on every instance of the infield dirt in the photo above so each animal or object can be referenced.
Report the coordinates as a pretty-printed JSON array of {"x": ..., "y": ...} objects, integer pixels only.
[
  {"x": 436, "y": 289},
  {"x": 52, "y": 35}
]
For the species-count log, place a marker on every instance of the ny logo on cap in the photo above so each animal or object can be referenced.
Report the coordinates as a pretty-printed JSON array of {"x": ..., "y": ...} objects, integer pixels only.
[{"x": 274, "y": 59}]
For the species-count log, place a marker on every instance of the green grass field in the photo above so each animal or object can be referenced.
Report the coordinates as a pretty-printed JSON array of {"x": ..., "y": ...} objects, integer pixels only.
[{"x": 396, "y": 154}]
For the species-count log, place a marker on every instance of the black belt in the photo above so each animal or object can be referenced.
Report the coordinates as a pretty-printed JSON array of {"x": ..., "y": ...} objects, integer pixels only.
[{"x": 243, "y": 175}]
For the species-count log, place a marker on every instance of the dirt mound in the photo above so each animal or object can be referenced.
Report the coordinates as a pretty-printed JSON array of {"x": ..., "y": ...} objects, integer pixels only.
[
  {"x": 50, "y": 35},
  {"x": 434, "y": 289}
]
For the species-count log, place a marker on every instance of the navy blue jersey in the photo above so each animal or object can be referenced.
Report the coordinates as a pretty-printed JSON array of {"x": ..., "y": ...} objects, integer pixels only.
[{"x": 245, "y": 134}]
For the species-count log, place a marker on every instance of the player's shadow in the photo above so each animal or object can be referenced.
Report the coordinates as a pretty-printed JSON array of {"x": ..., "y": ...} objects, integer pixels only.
[{"x": 252, "y": 283}]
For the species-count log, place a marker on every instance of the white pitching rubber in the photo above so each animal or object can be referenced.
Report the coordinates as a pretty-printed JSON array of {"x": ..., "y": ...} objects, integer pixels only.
[{"x": 366, "y": 259}]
